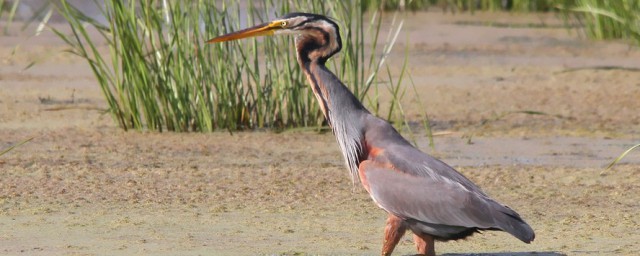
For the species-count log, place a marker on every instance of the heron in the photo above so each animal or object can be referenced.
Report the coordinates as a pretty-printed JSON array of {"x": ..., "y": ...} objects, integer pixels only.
[{"x": 419, "y": 192}]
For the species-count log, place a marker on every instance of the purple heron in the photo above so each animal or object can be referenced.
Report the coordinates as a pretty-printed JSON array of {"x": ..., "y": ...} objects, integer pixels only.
[{"x": 419, "y": 192}]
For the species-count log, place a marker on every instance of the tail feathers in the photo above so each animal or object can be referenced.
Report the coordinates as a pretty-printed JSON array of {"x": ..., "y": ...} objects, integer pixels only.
[{"x": 509, "y": 221}]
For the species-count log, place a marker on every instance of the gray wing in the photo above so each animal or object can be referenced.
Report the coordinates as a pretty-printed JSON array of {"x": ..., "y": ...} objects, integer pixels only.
[
  {"x": 413, "y": 185},
  {"x": 428, "y": 200},
  {"x": 404, "y": 157},
  {"x": 413, "y": 161},
  {"x": 421, "y": 189}
]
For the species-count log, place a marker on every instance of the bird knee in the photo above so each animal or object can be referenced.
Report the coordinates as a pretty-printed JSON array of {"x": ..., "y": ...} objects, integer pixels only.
[{"x": 424, "y": 244}]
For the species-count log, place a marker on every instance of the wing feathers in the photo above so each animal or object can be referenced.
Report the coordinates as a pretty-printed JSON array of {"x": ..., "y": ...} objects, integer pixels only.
[
  {"x": 429, "y": 194},
  {"x": 509, "y": 221},
  {"x": 440, "y": 207}
]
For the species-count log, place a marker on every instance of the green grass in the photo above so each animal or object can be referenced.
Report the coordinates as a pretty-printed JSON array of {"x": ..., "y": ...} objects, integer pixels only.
[
  {"x": 604, "y": 19},
  {"x": 7, "y": 12},
  {"x": 159, "y": 74}
]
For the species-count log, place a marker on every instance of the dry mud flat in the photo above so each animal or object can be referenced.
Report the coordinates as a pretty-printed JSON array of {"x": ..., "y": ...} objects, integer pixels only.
[{"x": 83, "y": 187}]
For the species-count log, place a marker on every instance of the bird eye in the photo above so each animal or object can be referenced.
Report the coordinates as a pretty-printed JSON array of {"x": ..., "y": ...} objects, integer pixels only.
[{"x": 283, "y": 24}]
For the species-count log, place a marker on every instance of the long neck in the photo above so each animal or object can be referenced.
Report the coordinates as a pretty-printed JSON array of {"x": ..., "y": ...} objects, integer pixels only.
[
  {"x": 343, "y": 111},
  {"x": 337, "y": 102}
]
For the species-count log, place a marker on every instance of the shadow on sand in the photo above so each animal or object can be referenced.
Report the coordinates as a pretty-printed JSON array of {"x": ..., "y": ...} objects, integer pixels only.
[{"x": 506, "y": 254}]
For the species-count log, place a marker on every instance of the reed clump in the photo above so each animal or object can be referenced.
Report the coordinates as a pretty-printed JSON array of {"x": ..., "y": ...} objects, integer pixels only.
[
  {"x": 159, "y": 75},
  {"x": 603, "y": 19}
]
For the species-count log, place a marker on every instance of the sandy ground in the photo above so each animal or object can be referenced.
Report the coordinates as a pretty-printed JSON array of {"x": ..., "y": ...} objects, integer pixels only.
[{"x": 84, "y": 187}]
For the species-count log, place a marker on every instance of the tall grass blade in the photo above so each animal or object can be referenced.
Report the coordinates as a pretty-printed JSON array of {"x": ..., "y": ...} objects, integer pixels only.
[
  {"x": 12, "y": 12},
  {"x": 625, "y": 153},
  {"x": 605, "y": 19},
  {"x": 4, "y": 151},
  {"x": 426, "y": 123}
]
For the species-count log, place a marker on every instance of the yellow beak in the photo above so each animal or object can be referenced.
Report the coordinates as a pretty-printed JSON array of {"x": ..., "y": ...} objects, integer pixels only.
[{"x": 259, "y": 30}]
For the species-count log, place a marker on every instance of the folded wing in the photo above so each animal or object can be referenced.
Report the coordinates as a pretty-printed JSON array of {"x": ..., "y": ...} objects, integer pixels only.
[{"x": 435, "y": 198}]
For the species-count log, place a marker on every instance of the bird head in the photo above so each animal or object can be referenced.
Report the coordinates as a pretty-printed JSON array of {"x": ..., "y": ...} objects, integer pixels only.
[
  {"x": 278, "y": 26},
  {"x": 322, "y": 30}
]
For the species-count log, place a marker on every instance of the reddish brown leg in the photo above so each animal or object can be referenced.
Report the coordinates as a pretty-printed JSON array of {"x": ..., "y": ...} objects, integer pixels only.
[
  {"x": 424, "y": 244},
  {"x": 392, "y": 233}
]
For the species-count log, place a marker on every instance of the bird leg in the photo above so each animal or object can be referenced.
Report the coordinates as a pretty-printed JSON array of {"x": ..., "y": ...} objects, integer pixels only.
[
  {"x": 393, "y": 231},
  {"x": 424, "y": 244}
]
